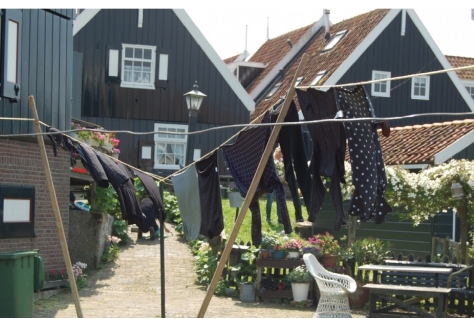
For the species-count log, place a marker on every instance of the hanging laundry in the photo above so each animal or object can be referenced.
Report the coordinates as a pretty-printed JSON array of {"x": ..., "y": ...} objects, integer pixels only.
[
  {"x": 186, "y": 188},
  {"x": 212, "y": 220},
  {"x": 292, "y": 146},
  {"x": 92, "y": 164},
  {"x": 329, "y": 148},
  {"x": 123, "y": 185},
  {"x": 153, "y": 192},
  {"x": 243, "y": 158},
  {"x": 62, "y": 141},
  {"x": 368, "y": 171}
]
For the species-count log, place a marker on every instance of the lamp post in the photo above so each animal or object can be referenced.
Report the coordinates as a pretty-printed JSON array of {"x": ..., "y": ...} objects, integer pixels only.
[
  {"x": 458, "y": 195},
  {"x": 193, "y": 101}
]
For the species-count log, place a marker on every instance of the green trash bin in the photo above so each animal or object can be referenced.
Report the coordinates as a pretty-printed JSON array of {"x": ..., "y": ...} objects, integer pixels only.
[{"x": 17, "y": 284}]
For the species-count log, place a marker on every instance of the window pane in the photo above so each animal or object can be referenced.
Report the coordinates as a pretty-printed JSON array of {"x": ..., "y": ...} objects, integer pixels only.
[
  {"x": 147, "y": 54},
  {"x": 138, "y": 53},
  {"x": 128, "y": 52}
]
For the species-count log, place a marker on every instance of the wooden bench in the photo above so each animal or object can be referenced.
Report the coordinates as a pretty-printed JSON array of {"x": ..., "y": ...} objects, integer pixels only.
[
  {"x": 417, "y": 293},
  {"x": 404, "y": 286}
]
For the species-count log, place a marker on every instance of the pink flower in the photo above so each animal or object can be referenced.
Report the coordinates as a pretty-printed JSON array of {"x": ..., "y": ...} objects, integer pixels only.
[{"x": 115, "y": 150}]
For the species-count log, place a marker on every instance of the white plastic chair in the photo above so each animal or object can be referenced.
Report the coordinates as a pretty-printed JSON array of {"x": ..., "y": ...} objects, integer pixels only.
[{"x": 334, "y": 290}]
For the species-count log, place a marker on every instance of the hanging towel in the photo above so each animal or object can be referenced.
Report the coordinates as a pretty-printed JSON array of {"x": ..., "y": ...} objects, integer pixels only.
[
  {"x": 368, "y": 171},
  {"x": 186, "y": 188},
  {"x": 212, "y": 220},
  {"x": 243, "y": 158},
  {"x": 329, "y": 148}
]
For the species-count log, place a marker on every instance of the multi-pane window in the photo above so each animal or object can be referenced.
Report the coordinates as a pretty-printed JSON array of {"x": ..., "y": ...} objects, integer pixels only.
[
  {"x": 138, "y": 66},
  {"x": 379, "y": 87},
  {"x": 170, "y": 147},
  {"x": 420, "y": 88}
]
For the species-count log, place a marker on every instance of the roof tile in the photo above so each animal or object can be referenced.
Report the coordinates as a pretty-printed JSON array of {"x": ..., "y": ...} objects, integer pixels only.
[{"x": 459, "y": 61}]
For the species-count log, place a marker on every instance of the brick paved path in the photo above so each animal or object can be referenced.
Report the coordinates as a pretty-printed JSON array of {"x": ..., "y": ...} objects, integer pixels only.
[{"x": 131, "y": 288}]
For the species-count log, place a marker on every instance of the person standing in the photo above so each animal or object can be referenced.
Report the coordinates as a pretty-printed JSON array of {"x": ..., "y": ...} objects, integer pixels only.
[{"x": 278, "y": 158}]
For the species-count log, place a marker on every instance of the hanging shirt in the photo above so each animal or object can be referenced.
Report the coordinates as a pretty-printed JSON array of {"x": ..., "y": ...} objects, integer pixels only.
[
  {"x": 186, "y": 188},
  {"x": 212, "y": 220},
  {"x": 329, "y": 148},
  {"x": 243, "y": 158},
  {"x": 368, "y": 171}
]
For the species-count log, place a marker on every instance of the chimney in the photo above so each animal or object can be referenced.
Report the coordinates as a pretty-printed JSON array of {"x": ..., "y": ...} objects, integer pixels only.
[{"x": 326, "y": 23}]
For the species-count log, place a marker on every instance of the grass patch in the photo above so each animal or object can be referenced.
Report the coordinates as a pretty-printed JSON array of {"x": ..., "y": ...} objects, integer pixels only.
[{"x": 244, "y": 233}]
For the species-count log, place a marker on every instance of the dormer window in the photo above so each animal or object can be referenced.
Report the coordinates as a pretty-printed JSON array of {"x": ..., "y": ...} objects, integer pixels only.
[
  {"x": 334, "y": 40},
  {"x": 273, "y": 90},
  {"x": 318, "y": 77},
  {"x": 298, "y": 80}
]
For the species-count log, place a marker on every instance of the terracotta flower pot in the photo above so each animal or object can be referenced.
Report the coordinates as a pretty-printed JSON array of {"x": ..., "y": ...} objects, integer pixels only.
[{"x": 328, "y": 260}]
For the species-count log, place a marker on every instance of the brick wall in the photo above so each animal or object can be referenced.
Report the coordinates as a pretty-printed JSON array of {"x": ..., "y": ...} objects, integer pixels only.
[{"x": 21, "y": 165}]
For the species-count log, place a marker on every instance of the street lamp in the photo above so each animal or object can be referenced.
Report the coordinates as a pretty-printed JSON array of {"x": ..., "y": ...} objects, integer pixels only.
[
  {"x": 193, "y": 100},
  {"x": 458, "y": 195}
]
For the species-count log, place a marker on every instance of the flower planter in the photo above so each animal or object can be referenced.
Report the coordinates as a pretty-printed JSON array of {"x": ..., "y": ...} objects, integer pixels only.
[
  {"x": 294, "y": 255},
  {"x": 92, "y": 142},
  {"x": 264, "y": 253},
  {"x": 235, "y": 199},
  {"x": 328, "y": 260},
  {"x": 247, "y": 292},
  {"x": 55, "y": 284},
  {"x": 115, "y": 155},
  {"x": 360, "y": 297},
  {"x": 279, "y": 254},
  {"x": 300, "y": 290}
]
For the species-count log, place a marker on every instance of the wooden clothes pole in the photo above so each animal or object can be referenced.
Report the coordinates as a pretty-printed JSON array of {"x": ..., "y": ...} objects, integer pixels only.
[
  {"x": 54, "y": 203},
  {"x": 251, "y": 191}
]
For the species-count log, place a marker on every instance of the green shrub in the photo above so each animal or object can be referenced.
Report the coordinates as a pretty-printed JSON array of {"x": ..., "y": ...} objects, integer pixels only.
[{"x": 120, "y": 229}]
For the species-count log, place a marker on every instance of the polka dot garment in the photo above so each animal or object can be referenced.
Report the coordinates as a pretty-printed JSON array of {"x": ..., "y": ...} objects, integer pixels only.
[{"x": 368, "y": 172}]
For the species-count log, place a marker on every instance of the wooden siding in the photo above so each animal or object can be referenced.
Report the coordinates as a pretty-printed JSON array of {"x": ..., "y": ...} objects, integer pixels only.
[
  {"x": 46, "y": 72},
  {"x": 403, "y": 55},
  {"x": 187, "y": 63},
  {"x": 402, "y": 234}
]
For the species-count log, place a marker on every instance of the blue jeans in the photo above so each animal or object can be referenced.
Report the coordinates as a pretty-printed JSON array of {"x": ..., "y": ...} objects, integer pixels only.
[{"x": 270, "y": 197}]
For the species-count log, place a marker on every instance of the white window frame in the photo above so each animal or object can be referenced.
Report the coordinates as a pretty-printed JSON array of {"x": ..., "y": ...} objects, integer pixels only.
[
  {"x": 335, "y": 40},
  {"x": 415, "y": 84},
  {"x": 163, "y": 142},
  {"x": 125, "y": 73},
  {"x": 377, "y": 86},
  {"x": 318, "y": 78},
  {"x": 469, "y": 85}
]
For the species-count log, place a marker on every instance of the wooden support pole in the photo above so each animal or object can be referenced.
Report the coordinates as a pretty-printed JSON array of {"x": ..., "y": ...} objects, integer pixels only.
[
  {"x": 251, "y": 191},
  {"x": 55, "y": 206}
]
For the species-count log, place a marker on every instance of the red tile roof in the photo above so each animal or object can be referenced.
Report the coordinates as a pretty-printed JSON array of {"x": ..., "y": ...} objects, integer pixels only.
[
  {"x": 458, "y": 61},
  {"x": 357, "y": 30},
  {"x": 273, "y": 51},
  {"x": 419, "y": 144}
]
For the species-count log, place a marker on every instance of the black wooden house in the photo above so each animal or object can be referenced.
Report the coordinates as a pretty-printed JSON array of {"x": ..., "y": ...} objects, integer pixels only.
[{"x": 134, "y": 66}]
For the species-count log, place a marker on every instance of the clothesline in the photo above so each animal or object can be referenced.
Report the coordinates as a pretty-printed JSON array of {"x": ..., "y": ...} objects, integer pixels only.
[{"x": 387, "y": 79}]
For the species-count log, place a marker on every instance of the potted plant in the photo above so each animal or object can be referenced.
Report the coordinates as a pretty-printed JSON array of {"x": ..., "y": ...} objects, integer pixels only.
[
  {"x": 235, "y": 199},
  {"x": 269, "y": 241},
  {"x": 293, "y": 247},
  {"x": 300, "y": 278},
  {"x": 328, "y": 247},
  {"x": 246, "y": 273}
]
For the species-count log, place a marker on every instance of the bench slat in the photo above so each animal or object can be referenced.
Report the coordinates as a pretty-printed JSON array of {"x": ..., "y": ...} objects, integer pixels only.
[{"x": 407, "y": 288}]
